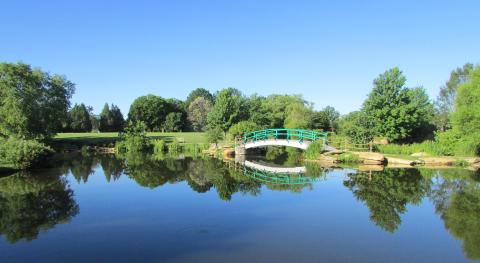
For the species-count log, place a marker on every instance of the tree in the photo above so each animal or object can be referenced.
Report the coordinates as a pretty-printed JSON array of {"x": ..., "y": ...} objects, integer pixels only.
[
  {"x": 298, "y": 117},
  {"x": 116, "y": 118},
  {"x": 238, "y": 129},
  {"x": 325, "y": 119},
  {"x": 228, "y": 109},
  {"x": 111, "y": 119},
  {"x": 199, "y": 92},
  {"x": 150, "y": 109},
  {"x": 173, "y": 122},
  {"x": 394, "y": 110},
  {"x": 444, "y": 105},
  {"x": 214, "y": 135},
  {"x": 105, "y": 119},
  {"x": 466, "y": 117},
  {"x": 279, "y": 107},
  {"x": 80, "y": 119},
  {"x": 357, "y": 126},
  {"x": 198, "y": 112},
  {"x": 257, "y": 113},
  {"x": 33, "y": 103}
]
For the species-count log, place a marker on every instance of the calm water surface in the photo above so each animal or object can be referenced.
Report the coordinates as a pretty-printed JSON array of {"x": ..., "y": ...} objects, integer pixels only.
[{"x": 158, "y": 209}]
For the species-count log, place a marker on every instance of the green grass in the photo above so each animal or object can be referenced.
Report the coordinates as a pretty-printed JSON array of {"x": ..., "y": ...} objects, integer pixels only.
[
  {"x": 402, "y": 156},
  {"x": 101, "y": 137}
]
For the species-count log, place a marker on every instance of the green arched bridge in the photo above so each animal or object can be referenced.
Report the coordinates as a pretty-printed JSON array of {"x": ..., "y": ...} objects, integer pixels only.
[{"x": 297, "y": 138}]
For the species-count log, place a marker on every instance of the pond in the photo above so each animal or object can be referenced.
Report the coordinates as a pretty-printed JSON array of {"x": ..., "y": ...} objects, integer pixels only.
[{"x": 197, "y": 209}]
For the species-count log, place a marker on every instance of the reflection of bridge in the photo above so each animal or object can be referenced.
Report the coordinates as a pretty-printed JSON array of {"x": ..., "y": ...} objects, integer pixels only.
[
  {"x": 276, "y": 174},
  {"x": 274, "y": 169},
  {"x": 277, "y": 178},
  {"x": 282, "y": 137}
]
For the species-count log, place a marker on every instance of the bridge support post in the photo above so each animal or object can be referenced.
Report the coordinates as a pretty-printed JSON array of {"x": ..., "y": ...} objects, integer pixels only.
[{"x": 240, "y": 150}]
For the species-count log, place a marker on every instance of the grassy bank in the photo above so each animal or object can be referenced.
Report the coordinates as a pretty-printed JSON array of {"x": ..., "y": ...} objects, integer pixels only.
[{"x": 106, "y": 137}]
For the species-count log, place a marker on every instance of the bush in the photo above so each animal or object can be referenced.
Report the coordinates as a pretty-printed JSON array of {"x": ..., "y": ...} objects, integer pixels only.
[
  {"x": 134, "y": 139},
  {"x": 214, "y": 135},
  {"x": 22, "y": 154},
  {"x": 314, "y": 150},
  {"x": 237, "y": 130},
  {"x": 349, "y": 158}
]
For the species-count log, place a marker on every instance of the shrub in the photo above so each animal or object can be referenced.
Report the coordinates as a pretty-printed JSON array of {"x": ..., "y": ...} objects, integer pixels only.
[
  {"x": 134, "y": 139},
  {"x": 237, "y": 130},
  {"x": 22, "y": 154},
  {"x": 214, "y": 135},
  {"x": 349, "y": 158},
  {"x": 314, "y": 150}
]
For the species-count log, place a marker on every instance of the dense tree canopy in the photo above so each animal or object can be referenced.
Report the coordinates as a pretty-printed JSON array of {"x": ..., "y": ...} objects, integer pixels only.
[
  {"x": 150, "y": 109},
  {"x": 80, "y": 120},
  {"x": 199, "y": 92},
  {"x": 228, "y": 109},
  {"x": 395, "y": 111},
  {"x": 33, "y": 103},
  {"x": 198, "y": 112},
  {"x": 444, "y": 104},
  {"x": 466, "y": 117},
  {"x": 111, "y": 119}
]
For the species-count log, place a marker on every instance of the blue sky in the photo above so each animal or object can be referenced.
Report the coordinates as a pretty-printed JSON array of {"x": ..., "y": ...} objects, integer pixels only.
[{"x": 329, "y": 51}]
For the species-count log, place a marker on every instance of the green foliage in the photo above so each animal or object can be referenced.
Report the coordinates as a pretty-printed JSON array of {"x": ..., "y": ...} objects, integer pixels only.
[
  {"x": 466, "y": 117},
  {"x": 79, "y": 117},
  {"x": 237, "y": 130},
  {"x": 357, "y": 126},
  {"x": 33, "y": 204},
  {"x": 314, "y": 150},
  {"x": 198, "y": 111},
  {"x": 388, "y": 193},
  {"x": 33, "y": 103},
  {"x": 111, "y": 119},
  {"x": 199, "y": 93},
  {"x": 349, "y": 158},
  {"x": 151, "y": 110},
  {"x": 228, "y": 109},
  {"x": 159, "y": 146},
  {"x": 134, "y": 139},
  {"x": 298, "y": 117},
  {"x": 173, "y": 122},
  {"x": 325, "y": 119},
  {"x": 22, "y": 153},
  {"x": 396, "y": 112},
  {"x": 214, "y": 135},
  {"x": 444, "y": 105}
]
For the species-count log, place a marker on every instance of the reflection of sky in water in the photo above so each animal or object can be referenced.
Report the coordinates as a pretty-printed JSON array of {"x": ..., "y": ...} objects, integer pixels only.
[{"x": 156, "y": 212}]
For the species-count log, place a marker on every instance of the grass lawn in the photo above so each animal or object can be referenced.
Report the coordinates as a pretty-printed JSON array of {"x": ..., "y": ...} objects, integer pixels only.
[{"x": 95, "y": 137}]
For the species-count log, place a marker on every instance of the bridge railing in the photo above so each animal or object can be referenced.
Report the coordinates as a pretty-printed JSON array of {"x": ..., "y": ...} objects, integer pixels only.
[
  {"x": 278, "y": 178},
  {"x": 287, "y": 134}
]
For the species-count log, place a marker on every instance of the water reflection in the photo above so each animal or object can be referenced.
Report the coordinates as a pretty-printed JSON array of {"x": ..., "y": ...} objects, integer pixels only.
[
  {"x": 30, "y": 204},
  {"x": 388, "y": 193},
  {"x": 36, "y": 202}
]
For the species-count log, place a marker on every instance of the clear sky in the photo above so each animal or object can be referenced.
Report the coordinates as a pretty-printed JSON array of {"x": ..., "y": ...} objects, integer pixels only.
[{"x": 329, "y": 51}]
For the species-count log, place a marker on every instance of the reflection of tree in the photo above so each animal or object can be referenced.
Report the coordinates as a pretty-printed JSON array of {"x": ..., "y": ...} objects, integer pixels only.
[
  {"x": 82, "y": 167},
  {"x": 148, "y": 172},
  {"x": 30, "y": 204},
  {"x": 112, "y": 167},
  {"x": 387, "y": 193},
  {"x": 456, "y": 195}
]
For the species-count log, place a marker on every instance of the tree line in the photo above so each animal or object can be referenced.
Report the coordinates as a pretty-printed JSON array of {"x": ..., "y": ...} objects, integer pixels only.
[{"x": 35, "y": 105}]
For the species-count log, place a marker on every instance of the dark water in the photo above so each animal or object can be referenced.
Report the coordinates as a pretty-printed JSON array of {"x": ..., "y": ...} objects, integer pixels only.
[{"x": 157, "y": 209}]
